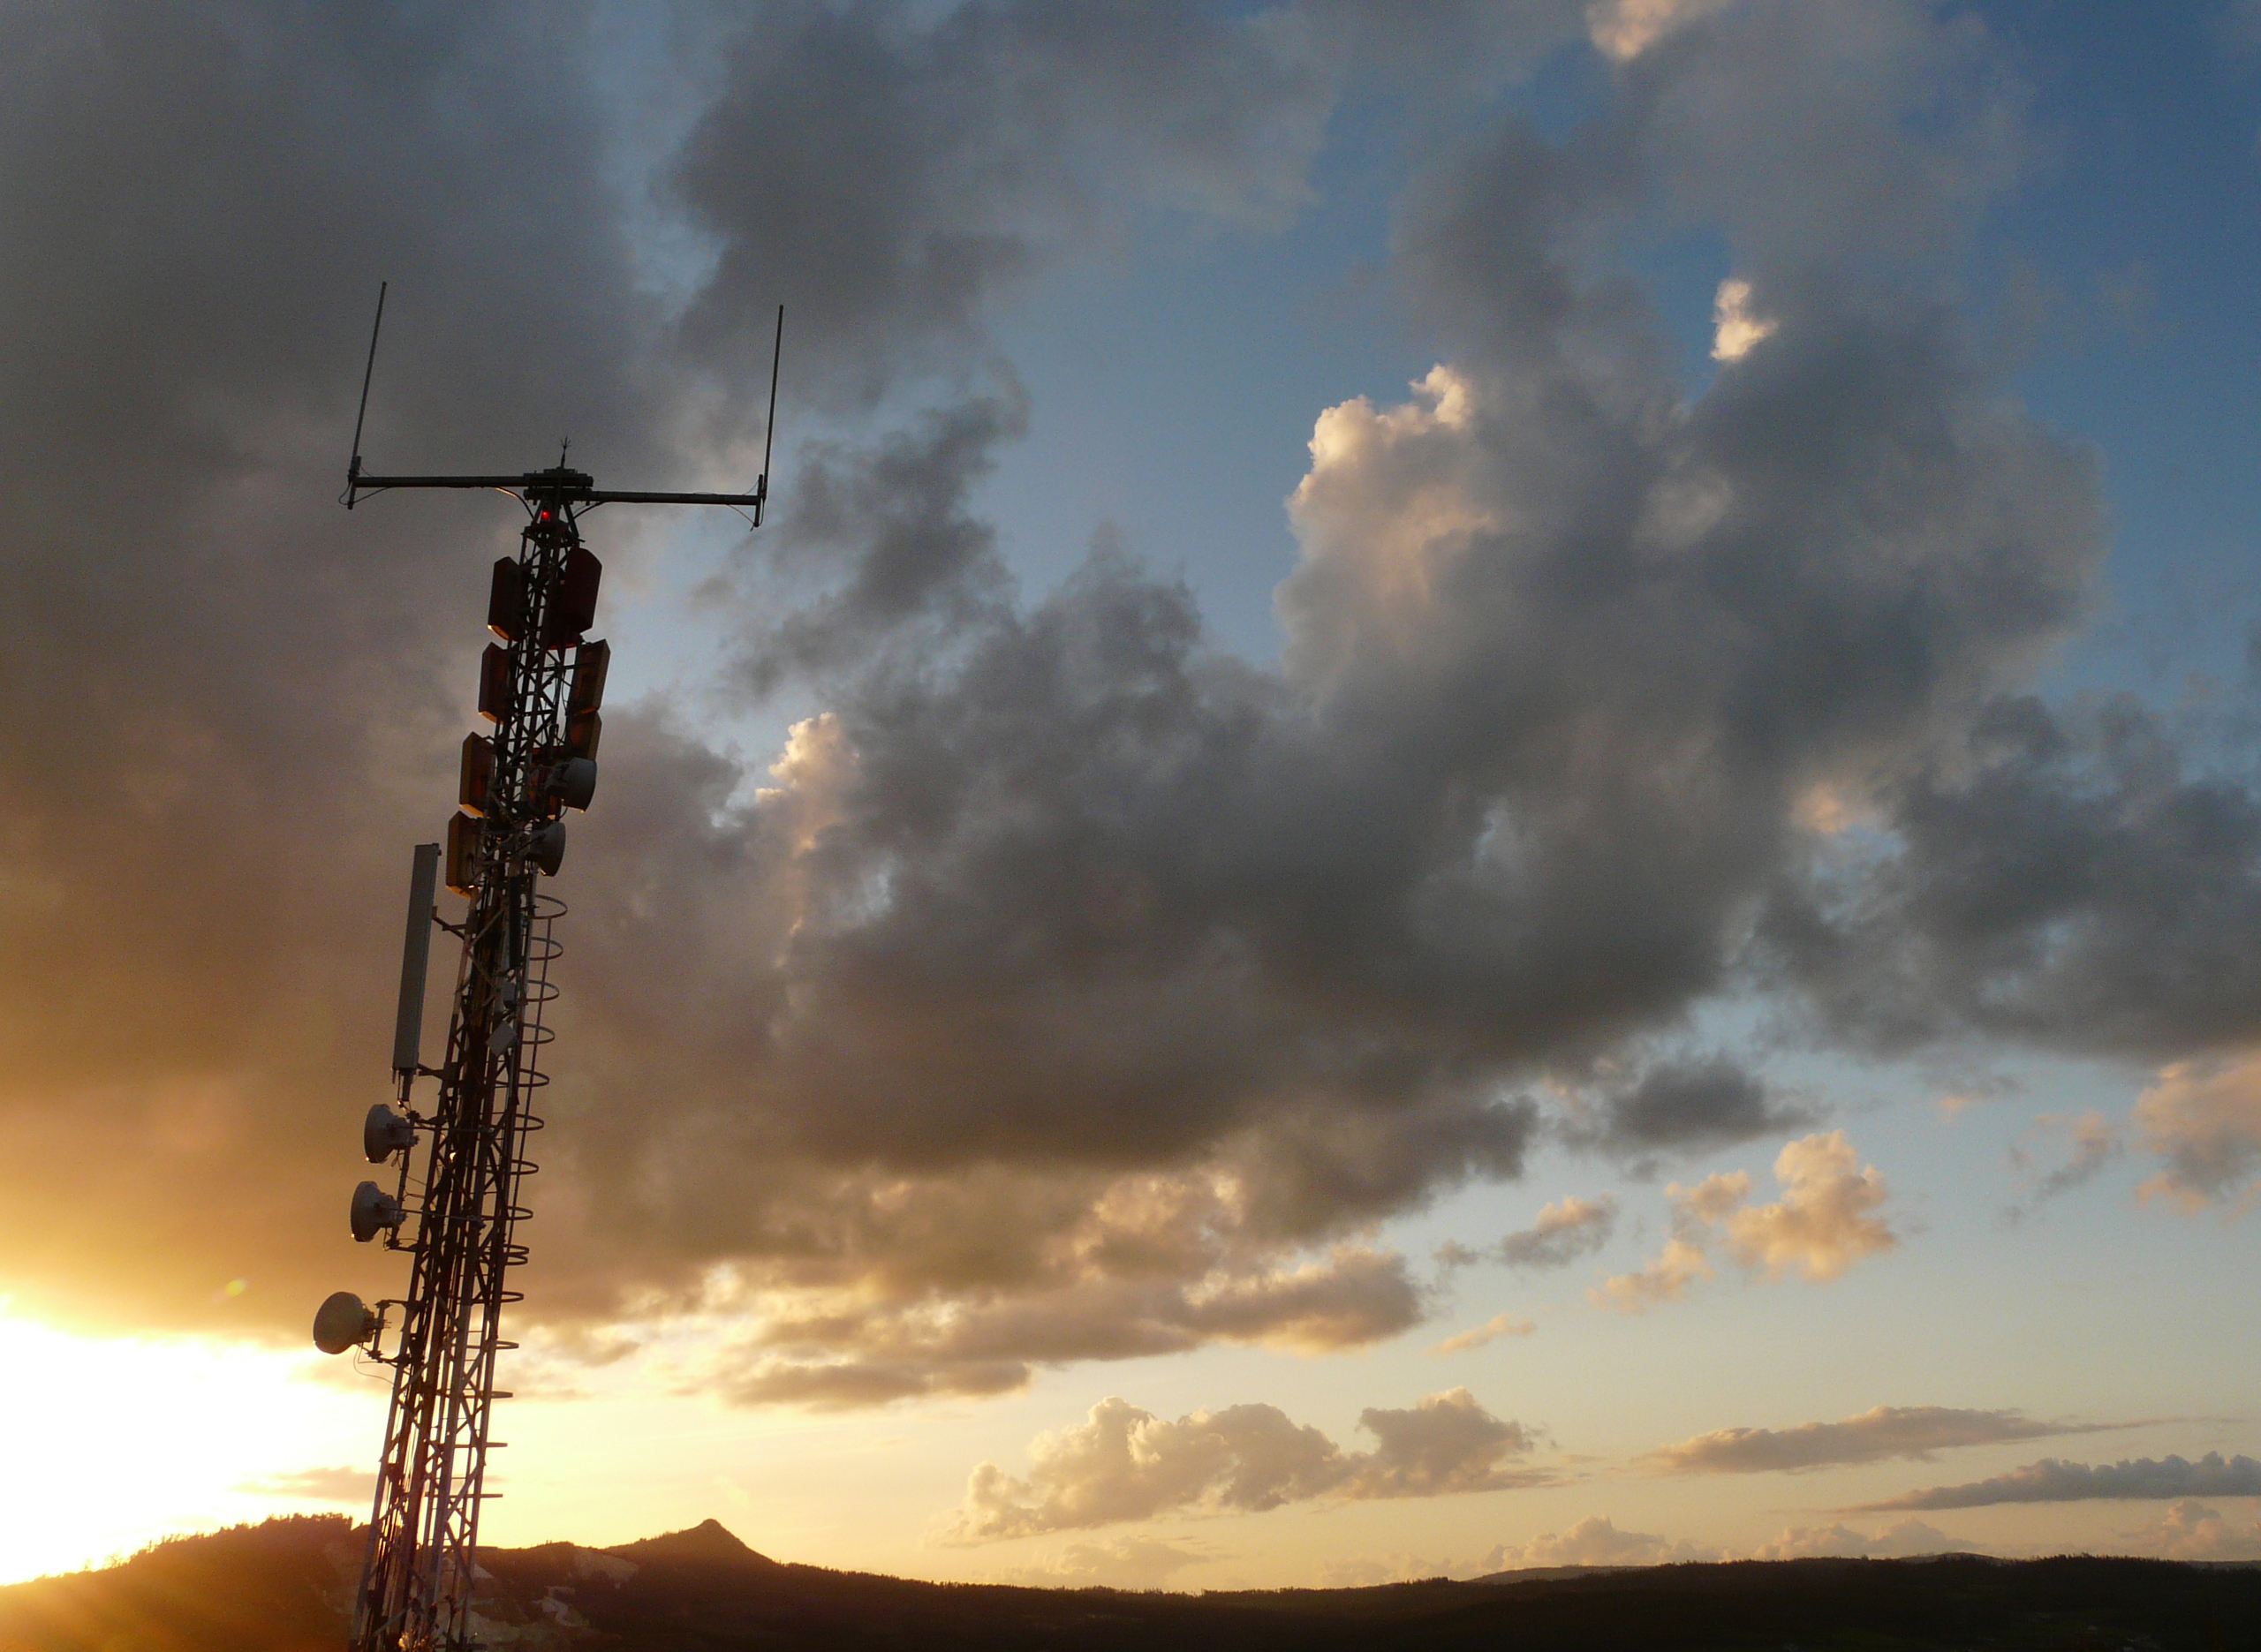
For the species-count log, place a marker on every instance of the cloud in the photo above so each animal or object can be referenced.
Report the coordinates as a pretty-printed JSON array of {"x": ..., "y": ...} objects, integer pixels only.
[
  {"x": 1064, "y": 903},
  {"x": 1678, "y": 1266},
  {"x": 316, "y": 1485},
  {"x": 2050, "y": 1480},
  {"x": 2076, "y": 879},
  {"x": 1593, "y": 1542},
  {"x": 1823, "y": 1224},
  {"x": 1626, "y": 28},
  {"x": 1736, "y": 328},
  {"x": 1017, "y": 1013},
  {"x": 826, "y": 1352},
  {"x": 1116, "y": 1563},
  {"x": 1567, "y": 1229},
  {"x": 1126, "y": 1464},
  {"x": 1903, "y": 1540},
  {"x": 1447, "y": 1443},
  {"x": 1499, "y": 1325},
  {"x": 194, "y": 359},
  {"x": 1371, "y": 1572},
  {"x": 928, "y": 165},
  {"x": 1909, "y": 1432},
  {"x": 209, "y": 201},
  {"x": 1686, "y": 1105},
  {"x": 2092, "y": 1144},
  {"x": 2203, "y": 1120},
  {"x": 1961, "y": 1091},
  {"x": 2191, "y": 1531}
]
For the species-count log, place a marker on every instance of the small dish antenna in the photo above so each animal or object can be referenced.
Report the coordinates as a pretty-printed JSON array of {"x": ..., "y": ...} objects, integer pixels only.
[
  {"x": 546, "y": 847},
  {"x": 384, "y": 1133},
  {"x": 375, "y": 1210},
  {"x": 345, "y": 1320}
]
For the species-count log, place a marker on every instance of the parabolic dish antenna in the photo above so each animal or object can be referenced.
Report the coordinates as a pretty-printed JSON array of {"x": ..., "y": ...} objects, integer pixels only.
[
  {"x": 384, "y": 1133},
  {"x": 343, "y": 1321},
  {"x": 374, "y": 1211}
]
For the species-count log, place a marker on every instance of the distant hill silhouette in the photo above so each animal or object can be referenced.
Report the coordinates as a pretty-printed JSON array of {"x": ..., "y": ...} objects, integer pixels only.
[
  {"x": 280, "y": 1586},
  {"x": 710, "y": 1542},
  {"x": 283, "y": 1586}
]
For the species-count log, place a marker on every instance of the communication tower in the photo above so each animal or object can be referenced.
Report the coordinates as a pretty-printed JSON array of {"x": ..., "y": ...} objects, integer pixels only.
[{"x": 461, "y": 1158}]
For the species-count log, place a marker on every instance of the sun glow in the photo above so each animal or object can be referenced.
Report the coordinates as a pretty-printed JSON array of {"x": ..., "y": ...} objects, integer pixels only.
[{"x": 114, "y": 1442}]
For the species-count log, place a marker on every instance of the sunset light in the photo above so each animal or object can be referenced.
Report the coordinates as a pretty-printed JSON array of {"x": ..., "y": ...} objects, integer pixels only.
[
  {"x": 1225, "y": 800},
  {"x": 132, "y": 1439}
]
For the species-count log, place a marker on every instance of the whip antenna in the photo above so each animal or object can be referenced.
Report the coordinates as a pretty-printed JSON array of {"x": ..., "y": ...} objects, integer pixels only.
[
  {"x": 769, "y": 431},
  {"x": 353, "y": 469}
]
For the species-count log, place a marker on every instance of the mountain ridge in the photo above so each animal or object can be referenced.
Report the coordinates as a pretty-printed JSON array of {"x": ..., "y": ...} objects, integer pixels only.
[{"x": 286, "y": 1585}]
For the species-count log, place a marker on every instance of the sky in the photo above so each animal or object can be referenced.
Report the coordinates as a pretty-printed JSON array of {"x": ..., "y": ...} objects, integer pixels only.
[{"x": 1486, "y": 796}]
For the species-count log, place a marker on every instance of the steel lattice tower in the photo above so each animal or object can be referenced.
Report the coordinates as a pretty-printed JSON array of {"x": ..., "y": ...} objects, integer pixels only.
[{"x": 462, "y": 1162}]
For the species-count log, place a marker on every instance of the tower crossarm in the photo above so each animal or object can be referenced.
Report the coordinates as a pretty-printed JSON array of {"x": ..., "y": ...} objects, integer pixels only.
[{"x": 576, "y": 487}]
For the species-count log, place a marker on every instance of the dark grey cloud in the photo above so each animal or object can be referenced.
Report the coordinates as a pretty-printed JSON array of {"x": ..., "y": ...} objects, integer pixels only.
[
  {"x": 2089, "y": 1144},
  {"x": 233, "y": 707},
  {"x": 923, "y": 568},
  {"x": 2051, "y": 1481},
  {"x": 1069, "y": 960},
  {"x": 230, "y": 704},
  {"x": 1686, "y": 1105},
  {"x": 2075, "y": 878},
  {"x": 992, "y": 1339},
  {"x": 890, "y": 176},
  {"x": 1569, "y": 1228},
  {"x": 1912, "y": 1432},
  {"x": 1061, "y": 961},
  {"x": 1058, "y": 883}
]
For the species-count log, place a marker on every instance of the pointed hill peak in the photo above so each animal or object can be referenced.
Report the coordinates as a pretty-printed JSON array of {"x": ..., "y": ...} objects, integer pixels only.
[{"x": 708, "y": 1544}]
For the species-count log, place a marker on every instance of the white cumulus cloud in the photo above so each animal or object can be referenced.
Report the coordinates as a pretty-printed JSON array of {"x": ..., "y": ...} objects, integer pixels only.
[
  {"x": 1594, "y": 1541},
  {"x": 2191, "y": 1531},
  {"x": 1737, "y": 326},
  {"x": 1824, "y": 1221},
  {"x": 1898, "y": 1542},
  {"x": 1115, "y": 1563},
  {"x": 1124, "y": 1463},
  {"x": 1678, "y": 1266}
]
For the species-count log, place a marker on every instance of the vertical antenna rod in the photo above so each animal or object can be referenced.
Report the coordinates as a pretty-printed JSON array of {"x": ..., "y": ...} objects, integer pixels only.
[
  {"x": 769, "y": 430},
  {"x": 353, "y": 467}
]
